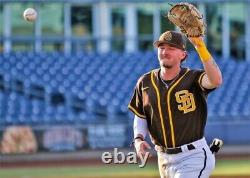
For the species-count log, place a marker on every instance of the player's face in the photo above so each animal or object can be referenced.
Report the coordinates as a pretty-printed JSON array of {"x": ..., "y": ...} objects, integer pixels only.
[{"x": 170, "y": 56}]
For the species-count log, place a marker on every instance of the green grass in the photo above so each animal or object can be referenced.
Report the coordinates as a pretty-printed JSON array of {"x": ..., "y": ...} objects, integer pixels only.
[
  {"x": 80, "y": 171},
  {"x": 232, "y": 167},
  {"x": 223, "y": 167}
]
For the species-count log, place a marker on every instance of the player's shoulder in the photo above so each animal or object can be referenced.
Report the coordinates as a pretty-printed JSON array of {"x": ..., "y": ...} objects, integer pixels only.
[
  {"x": 196, "y": 71},
  {"x": 146, "y": 76}
]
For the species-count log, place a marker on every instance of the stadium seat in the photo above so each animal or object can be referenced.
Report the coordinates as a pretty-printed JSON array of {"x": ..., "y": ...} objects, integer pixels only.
[{"x": 54, "y": 88}]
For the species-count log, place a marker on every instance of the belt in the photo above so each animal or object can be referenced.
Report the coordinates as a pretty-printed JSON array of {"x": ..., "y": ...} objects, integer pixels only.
[{"x": 177, "y": 149}]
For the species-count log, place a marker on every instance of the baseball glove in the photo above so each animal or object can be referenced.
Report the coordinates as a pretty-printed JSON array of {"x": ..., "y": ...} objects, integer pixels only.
[{"x": 187, "y": 17}]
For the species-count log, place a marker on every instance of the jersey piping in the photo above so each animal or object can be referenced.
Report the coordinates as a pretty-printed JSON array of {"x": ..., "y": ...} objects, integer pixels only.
[
  {"x": 159, "y": 108},
  {"x": 138, "y": 114},
  {"x": 169, "y": 108}
]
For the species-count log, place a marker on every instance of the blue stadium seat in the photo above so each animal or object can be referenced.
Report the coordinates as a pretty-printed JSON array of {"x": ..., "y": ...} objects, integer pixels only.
[{"x": 80, "y": 87}]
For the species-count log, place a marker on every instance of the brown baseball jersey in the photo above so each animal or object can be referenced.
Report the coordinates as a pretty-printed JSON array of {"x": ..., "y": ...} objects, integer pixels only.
[{"x": 175, "y": 114}]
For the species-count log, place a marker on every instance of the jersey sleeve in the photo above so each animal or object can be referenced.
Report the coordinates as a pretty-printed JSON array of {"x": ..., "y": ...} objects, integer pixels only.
[
  {"x": 136, "y": 102},
  {"x": 200, "y": 75}
]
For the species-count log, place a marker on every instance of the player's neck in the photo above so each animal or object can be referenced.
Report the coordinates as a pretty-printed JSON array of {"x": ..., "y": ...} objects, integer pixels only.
[{"x": 169, "y": 73}]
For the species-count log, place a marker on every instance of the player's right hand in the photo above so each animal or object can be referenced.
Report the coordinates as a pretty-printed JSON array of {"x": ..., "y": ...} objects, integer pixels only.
[{"x": 141, "y": 147}]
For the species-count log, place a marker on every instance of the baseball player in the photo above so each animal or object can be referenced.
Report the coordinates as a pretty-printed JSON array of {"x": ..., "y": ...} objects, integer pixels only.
[{"x": 169, "y": 103}]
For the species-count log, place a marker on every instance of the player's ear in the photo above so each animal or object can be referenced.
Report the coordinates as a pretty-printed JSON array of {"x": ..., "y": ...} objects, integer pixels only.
[{"x": 184, "y": 56}]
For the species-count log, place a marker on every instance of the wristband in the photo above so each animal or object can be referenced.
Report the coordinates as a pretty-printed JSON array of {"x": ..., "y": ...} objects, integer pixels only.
[
  {"x": 138, "y": 137},
  {"x": 204, "y": 54},
  {"x": 202, "y": 51},
  {"x": 133, "y": 143}
]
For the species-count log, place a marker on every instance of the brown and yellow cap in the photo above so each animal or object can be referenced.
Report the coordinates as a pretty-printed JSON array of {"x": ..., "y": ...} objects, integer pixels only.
[{"x": 171, "y": 38}]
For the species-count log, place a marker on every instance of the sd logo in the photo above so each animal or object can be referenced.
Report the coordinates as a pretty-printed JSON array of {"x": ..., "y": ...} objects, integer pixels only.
[{"x": 185, "y": 100}]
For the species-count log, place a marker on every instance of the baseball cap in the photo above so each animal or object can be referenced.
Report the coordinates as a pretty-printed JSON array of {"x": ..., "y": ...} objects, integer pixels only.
[{"x": 172, "y": 38}]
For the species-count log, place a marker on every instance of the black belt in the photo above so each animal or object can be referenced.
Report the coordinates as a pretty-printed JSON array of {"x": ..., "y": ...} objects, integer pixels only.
[{"x": 177, "y": 149}]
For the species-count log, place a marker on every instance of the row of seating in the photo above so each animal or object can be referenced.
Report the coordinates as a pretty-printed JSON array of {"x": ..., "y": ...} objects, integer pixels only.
[{"x": 56, "y": 88}]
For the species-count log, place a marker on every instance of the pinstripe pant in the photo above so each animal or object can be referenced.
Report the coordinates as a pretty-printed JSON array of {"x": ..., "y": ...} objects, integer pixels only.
[{"x": 197, "y": 163}]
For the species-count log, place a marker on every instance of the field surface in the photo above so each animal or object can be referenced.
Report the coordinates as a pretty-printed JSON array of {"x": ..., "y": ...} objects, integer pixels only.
[{"x": 224, "y": 169}]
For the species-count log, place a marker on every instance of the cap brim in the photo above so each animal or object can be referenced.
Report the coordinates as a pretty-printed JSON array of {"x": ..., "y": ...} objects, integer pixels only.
[{"x": 157, "y": 43}]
